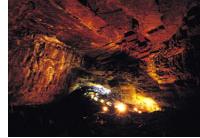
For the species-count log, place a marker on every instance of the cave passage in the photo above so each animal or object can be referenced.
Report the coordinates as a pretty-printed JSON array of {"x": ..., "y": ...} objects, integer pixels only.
[{"x": 104, "y": 67}]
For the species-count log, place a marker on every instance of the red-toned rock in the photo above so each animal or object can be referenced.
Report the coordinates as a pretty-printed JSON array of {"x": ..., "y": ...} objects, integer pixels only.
[
  {"x": 39, "y": 68},
  {"x": 148, "y": 41}
]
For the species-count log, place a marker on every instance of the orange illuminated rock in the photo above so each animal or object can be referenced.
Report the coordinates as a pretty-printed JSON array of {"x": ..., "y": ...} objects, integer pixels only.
[
  {"x": 47, "y": 38},
  {"x": 39, "y": 68}
]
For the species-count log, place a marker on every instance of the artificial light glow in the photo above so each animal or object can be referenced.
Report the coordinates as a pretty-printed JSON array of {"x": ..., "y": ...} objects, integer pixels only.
[
  {"x": 109, "y": 103},
  {"x": 121, "y": 107},
  {"x": 99, "y": 88},
  {"x": 94, "y": 87},
  {"x": 152, "y": 72},
  {"x": 102, "y": 101},
  {"x": 131, "y": 95},
  {"x": 95, "y": 98},
  {"x": 146, "y": 103},
  {"x": 105, "y": 108},
  {"x": 92, "y": 96},
  {"x": 135, "y": 109}
]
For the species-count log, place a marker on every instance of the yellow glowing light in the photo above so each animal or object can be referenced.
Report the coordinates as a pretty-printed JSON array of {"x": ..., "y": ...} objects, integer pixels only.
[
  {"x": 96, "y": 98},
  {"x": 121, "y": 107},
  {"x": 147, "y": 103},
  {"x": 92, "y": 96},
  {"x": 139, "y": 112},
  {"x": 109, "y": 103},
  {"x": 105, "y": 108},
  {"x": 102, "y": 101},
  {"x": 131, "y": 95},
  {"x": 135, "y": 109}
]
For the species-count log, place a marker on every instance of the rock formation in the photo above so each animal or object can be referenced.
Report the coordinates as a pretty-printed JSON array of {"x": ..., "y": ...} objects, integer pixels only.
[{"x": 150, "y": 44}]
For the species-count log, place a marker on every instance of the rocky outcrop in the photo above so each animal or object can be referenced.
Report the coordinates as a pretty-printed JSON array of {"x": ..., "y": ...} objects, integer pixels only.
[
  {"x": 39, "y": 69},
  {"x": 146, "y": 43}
]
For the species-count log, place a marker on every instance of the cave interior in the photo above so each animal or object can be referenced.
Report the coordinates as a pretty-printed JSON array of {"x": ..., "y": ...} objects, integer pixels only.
[{"x": 144, "y": 52}]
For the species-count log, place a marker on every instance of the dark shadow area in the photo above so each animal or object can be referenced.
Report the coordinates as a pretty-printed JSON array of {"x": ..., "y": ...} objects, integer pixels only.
[{"x": 75, "y": 115}]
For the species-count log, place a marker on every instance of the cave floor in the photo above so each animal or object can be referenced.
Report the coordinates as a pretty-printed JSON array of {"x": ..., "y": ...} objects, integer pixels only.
[{"x": 76, "y": 116}]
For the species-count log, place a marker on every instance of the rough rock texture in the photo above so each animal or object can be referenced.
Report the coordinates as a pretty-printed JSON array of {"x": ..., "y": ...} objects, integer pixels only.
[
  {"x": 39, "y": 69},
  {"x": 151, "y": 44}
]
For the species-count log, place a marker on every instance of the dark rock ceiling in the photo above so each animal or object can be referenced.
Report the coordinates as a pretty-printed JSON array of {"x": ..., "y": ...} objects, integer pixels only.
[{"x": 150, "y": 44}]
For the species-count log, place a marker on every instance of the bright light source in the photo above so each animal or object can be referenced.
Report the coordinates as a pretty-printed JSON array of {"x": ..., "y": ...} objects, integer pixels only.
[
  {"x": 92, "y": 96},
  {"x": 96, "y": 98},
  {"x": 147, "y": 104},
  {"x": 105, "y": 108},
  {"x": 139, "y": 112},
  {"x": 135, "y": 109},
  {"x": 138, "y": 99},
  {"x": 99, "y": 88},
  {"x": 109, "y": 103},
  {"x": 121, "y": 107},
  {"x": 102, "y": 101}
]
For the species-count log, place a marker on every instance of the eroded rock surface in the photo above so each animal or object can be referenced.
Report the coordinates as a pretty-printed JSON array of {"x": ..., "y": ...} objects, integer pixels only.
[
  {"x": 39, "y": 69},
  {"x": 157, "y": 41}
]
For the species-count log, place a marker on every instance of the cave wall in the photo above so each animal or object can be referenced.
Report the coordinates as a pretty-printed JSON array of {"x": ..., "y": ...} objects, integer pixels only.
[
  {"x": 158, "y": 40},
  {"x": 39, "y": 69}
]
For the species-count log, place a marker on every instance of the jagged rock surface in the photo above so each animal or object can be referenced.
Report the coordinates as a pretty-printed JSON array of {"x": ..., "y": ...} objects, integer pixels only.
[
  {"x": 39, "y": 69},
  {"x": 159, "y": 40}
]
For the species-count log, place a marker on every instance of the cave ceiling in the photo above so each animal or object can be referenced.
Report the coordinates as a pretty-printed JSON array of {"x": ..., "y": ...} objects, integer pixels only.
[{"x": 150, "y": 44}]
